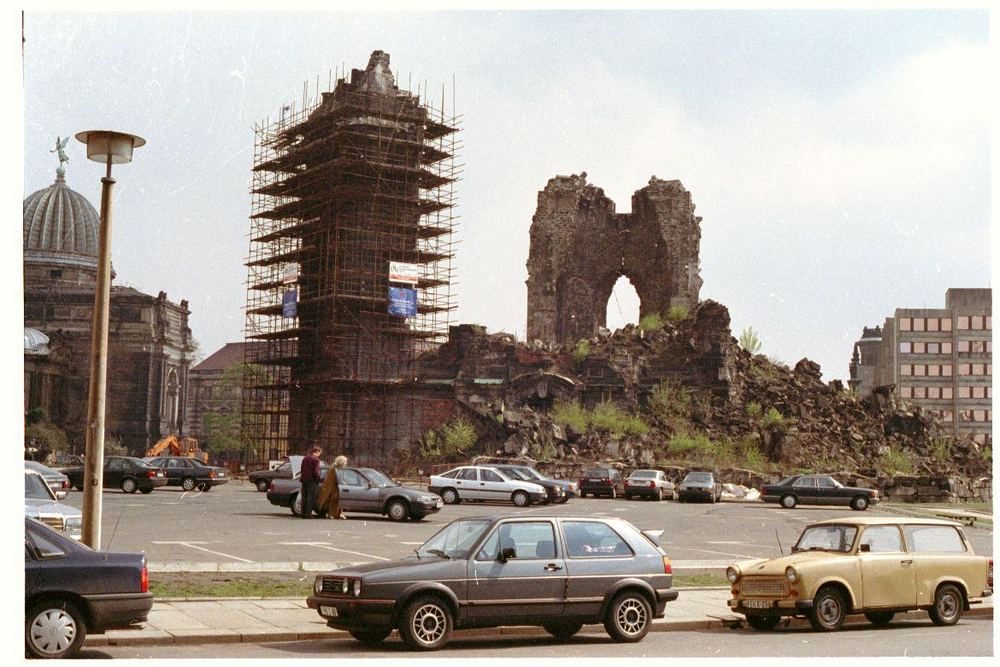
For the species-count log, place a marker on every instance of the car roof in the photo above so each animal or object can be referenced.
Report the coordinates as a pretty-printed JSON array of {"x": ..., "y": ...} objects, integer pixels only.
[{"x": 883, "y": 520}]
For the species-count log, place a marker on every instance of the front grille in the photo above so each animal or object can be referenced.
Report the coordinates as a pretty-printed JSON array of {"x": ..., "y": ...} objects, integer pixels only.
[
  {"x": 763, "y": 586},
  {"x": 333, "y": 585},
  {"x": 54, "y": 522}
]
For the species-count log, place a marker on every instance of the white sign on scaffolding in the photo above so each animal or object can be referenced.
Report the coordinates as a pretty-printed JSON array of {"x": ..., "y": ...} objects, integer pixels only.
[{"x": 401, "y": 272}]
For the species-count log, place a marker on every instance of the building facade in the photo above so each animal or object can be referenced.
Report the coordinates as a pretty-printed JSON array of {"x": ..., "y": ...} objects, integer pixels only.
[
  {"x": 149, "y": 341},
  {"x": 938, "y": 359}
]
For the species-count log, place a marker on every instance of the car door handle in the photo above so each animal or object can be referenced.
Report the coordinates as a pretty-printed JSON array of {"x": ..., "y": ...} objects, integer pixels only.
[
  {"x": 553, "y": 567},
  {"x": 906, "y": 562}
]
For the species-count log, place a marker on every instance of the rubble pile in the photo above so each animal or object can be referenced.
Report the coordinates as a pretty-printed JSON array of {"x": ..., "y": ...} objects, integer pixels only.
[{"x": 788, "y": 419}]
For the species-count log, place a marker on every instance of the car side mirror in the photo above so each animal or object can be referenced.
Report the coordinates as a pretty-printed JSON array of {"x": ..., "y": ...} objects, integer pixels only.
[
  {"x": 60, "y": 495},
  {"x": 865, "y": 548},
  {"x": 506, "y": 554}
]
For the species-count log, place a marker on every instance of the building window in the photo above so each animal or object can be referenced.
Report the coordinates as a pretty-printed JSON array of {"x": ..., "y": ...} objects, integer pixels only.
[
  {"x": 933, "y": 324},
  {"x": 947, "y": 392},
  {"x": 976, "y": 322},
  {"x": 919, "y": 347},
  {"x": 905, "y": 348},
  {"x": 920, "y": 392},
  {"x": 906, "y": 391},
  {"x": 919, "y": 370},
  {"x": 918, "y": 324},
  {"x": 965, "y": 369},
  {"x": 948, "y": 416},
  {"x": 946, "y": 348},
  {"x": 963, "y": 322},
  {"x": 906, "y": 369},
  {"x": 945, "y": 324},
  {"x": 905, "y": 324},
  {"x": 964, "y": 391},
  {"x": 989, "y": 322}
]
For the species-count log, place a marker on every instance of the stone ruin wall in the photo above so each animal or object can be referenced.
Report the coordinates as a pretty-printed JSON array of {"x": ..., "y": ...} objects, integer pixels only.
[{"x": 580, "y": 247}]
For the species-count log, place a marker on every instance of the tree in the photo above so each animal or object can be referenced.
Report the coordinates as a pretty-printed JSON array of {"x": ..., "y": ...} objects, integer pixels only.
[{"x": 749, "y": 340}]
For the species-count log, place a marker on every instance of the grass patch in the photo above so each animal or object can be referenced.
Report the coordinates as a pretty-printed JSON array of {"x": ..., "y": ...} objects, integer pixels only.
[
  {"x": 605, "y": 417},
  {"x": 896, "y": 462},
  {"x": 570, "y": 413},
  {"x": 677, "y": 314},
  {"x": 581, "y": 350},
  {"x": 670, "y": 400},
  {"x": 700, "y": 581},
  {"x": 650, "y": 323},
  {"x": 226, "y": 585}
]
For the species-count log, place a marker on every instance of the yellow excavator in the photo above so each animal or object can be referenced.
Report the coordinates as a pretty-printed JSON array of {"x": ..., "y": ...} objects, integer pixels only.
[{"x": 174, "y": 446}]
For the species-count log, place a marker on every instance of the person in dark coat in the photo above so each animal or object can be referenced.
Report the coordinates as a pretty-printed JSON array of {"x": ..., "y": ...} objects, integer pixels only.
[{"x": 309, "y": 477}]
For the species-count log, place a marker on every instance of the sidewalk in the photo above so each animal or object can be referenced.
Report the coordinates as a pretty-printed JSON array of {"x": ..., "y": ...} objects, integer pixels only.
[{"x": 220, "y": 621}]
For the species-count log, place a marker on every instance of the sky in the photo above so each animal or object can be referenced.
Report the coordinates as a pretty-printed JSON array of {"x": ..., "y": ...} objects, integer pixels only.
[{"x": 840, "y": 159}]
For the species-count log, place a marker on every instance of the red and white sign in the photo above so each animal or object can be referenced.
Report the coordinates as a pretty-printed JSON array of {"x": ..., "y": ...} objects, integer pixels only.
[{"x": 401, "y": 272}]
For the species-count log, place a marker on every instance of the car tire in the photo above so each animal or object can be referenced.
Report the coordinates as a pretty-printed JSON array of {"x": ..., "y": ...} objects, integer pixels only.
[
  {"x": 146, "y": 492},
  {"x": 296, "y": 505},
  {"x": 879, "y": 619},
  {"x": 54, "y": 628},
  {"x": 628, "y": 617},
  {"x": 583, "y": 494},
  {"x": 450, "y": 497},
  {"x": 562, "y": 500},
  {"x": 563, "y": 630},
  {"x": 828, "y": 611},
  {"x": 188, "y": 484},
  {"x": 129, "y": 485},
  {"x": 628, "y": 496},
  {"x": 262, "y": 485},
  {"x": 948, "y": 605},
  {"x": 613, "y": 494},
  {"x": 789, "y": 502},
  {"x": 763, "y": 622},
  {"x": 426, "y": 624},
  {"x": 520, "y": 499},
  {"x": 371, "y": 637},
  {"x": 659, "y": 495},
  {"x": 859, "y": 503},
  {"x": 398, "y": 510}
]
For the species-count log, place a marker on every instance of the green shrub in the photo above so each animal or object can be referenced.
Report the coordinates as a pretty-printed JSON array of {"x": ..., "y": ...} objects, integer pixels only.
[
  {"x": 750, "y": 341},
  {"x": 609, "y": 417},
  {"x": 650, "y": 323},
  {"x": 581, "y": 350},
  {"x": 46, "y": 436},
  {"x": 750, "y": 453},
  {"x": 677, "y": 314},
  {"x": 895, "y": 462},
  {"x": 570, "y": 413},
  {"x": 941, "y": 448},
  {"x": 670, "y": 400},
  {"x": 685, "y": 443},
  {"x": 455, "y": 439},
  {"x": 754, "y": 410},
  {"x": 773, "y": 420}
]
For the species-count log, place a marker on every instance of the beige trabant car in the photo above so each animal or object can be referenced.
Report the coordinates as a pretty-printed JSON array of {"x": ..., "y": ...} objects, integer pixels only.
[{"x": 876, "y": 566}]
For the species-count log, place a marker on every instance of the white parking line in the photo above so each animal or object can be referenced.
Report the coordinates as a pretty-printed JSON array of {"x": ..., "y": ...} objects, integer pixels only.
[
  {"x": 417, "y": 543},
  {"x": 324, "y": 545},
  {"x": 672, "y": 547},
  {"x": 194, "y": 545}
]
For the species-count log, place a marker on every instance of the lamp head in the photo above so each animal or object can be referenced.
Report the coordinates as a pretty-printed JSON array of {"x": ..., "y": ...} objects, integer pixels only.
[{"x": 105, "y": 144}]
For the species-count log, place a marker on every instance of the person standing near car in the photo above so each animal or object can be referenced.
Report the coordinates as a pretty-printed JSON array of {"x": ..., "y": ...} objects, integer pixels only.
[
  {"x": 329, "y": 495},
  {"x": 309, "y": 478}
]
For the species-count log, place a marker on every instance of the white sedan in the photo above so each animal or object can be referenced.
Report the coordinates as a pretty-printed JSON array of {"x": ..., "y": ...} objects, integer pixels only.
[{"x": 484, "y": 483}]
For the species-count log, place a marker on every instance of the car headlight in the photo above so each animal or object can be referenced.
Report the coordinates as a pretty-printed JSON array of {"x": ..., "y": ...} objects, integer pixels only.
[
  {"x": 732, "y": 574},
  {"x": 318, "y": 585},
  {"x": 791, "y": 574},
  {"x": 345, "y": 586},
  {"x": 357, "y": 588}
]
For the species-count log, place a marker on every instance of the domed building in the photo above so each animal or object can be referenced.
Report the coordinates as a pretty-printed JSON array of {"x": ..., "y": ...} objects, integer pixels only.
[{"x": 149, "y": 342}]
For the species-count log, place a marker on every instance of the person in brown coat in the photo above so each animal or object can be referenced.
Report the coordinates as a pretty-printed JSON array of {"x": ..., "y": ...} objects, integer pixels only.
[{"x": 329, "y": 495}]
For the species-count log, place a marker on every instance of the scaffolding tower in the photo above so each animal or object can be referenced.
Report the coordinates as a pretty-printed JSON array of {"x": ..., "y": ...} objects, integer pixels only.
[{"x": 359, "y": 179}]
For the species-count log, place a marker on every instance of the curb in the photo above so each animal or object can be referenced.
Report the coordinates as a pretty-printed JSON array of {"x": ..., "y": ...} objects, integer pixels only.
[{"x": 254, "y": 635}]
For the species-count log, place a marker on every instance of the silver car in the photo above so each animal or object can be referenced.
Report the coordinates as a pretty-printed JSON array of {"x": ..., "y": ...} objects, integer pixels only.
[
  {"x": 699, "y": 486},
  {"x": 55, "y": 479},
  {"x": 485, "y": 483},
  {"x": 556, "y": 572},
  {"x": 41, "y": 503},
  {"x": 648, "y": 484}
]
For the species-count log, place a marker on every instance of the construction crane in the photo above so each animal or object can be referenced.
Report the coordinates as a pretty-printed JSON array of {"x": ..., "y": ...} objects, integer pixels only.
[{"x": 175, "y": 446}]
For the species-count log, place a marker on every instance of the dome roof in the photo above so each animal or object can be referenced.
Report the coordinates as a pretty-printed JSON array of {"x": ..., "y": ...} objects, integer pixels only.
[
  {"x": 60, "y": 226},
  {"x": 35, "y": 342}
]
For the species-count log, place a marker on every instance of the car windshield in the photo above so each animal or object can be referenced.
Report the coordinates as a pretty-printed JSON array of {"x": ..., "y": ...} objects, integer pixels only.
[
  {"x": 516, "y": 473},
  {"x": 643, "y": 474},
  {"x": 698, "y": 477},
  {"x": 786, "y": 480},
  {"x": 601, "y": 472},
  {"x": 532, "y": 473},
  {"x": 143, "y": 464},
  {"x": 36, "y": 488},
  {"x": 826, "y": 538},
  {"x": 378, "y": 479},
  {"x": 454, "y": 540}
]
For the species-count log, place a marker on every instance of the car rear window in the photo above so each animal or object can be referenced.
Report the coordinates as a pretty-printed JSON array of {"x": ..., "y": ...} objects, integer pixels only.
[
  {"x": 933, "y": 539},
  {"x": 598, "y": 472},
  {"x": 644, "y": 474},
  {"x": 593, "y": 539}
]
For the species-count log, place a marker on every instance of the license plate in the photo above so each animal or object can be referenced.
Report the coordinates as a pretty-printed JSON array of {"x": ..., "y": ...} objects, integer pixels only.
[
  {"x": 328, "y": 611},
  {"x": 439, "y": 503},
  {"x": 595, "y": 480},
  {"x": 757, "y": 604}
]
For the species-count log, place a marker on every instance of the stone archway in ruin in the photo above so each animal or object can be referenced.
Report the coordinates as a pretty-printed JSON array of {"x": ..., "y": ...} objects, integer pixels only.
[{"x": 580, "y": 247}]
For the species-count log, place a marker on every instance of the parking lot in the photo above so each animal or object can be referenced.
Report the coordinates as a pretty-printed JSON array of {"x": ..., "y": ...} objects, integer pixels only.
[{"x": 235, "y": 524}]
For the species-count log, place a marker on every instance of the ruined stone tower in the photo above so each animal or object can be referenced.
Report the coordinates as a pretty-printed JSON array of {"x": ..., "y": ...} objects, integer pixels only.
[{"x": 580, "y": 247}]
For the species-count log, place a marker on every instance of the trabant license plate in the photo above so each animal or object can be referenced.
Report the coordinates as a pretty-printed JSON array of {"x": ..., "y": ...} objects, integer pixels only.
[
  {"x": 757, "y": 604},
  {"x": 328, "y": 611}
]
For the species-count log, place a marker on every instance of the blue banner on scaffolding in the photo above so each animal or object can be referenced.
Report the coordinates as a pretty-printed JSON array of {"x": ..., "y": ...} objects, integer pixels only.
[
  {"x": 403, "y": 301},
  {"x": 289, "y": 303}
]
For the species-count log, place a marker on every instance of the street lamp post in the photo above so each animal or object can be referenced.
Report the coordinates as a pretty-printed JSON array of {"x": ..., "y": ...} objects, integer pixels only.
[{"x": 108, "y": 148}]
